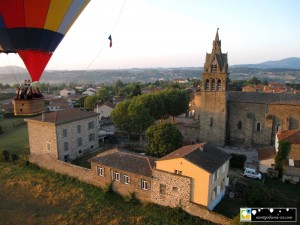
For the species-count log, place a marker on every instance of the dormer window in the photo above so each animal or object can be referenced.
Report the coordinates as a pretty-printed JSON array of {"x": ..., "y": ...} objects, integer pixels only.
[{"x": 214, "y": 66}]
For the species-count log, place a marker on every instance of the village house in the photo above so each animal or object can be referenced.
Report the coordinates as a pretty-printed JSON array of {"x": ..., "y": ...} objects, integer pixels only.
[
  {"x": 291, "y": 168},
  {"x": 66, "y": 92},
  {"x": 105, "y": 109},
  {"x": 266, "y": 158},
  {"x": 207, "y": 167},
  {"x": 194, "y": 173},
  {"x": 59, "y": 104},
  {"x": 65, "y": 134}
]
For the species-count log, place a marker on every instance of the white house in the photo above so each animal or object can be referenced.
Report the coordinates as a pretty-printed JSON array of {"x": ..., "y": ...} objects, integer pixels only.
[{"x": 66, "y": 92}]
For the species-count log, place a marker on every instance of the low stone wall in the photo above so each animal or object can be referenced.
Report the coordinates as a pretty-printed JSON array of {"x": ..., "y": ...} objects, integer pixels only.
[
  {"x": 204, "y": 213},
  {"x": 47, "y": 162}
]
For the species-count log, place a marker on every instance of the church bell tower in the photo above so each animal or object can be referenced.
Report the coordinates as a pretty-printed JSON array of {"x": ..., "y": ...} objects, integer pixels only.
[{"x": 213, "y": 109}]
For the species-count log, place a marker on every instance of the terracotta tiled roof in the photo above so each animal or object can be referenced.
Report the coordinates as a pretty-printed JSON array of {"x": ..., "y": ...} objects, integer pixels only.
[
  {"x": 126, "y": 161},
  {"x": 64, "y": 116},
  {"x": 266, "y": 153},
  {"x": 209, "y": 158},
  {"x": 292, "y": 136}
]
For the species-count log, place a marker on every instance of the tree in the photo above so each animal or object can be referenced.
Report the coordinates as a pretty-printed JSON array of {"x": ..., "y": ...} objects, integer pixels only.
[
  {"x": 282, "y": 154},
  {"x": 90, "y": 102},
  {"x": 140, "y": 117},
  {"x": 81, "y": 101},
  {"x": 155, "y": 104},
  {"x": 104, "y": 94},
  {"x": 176, "y": 102},
  {"x": 121, "y": 118},
  {"x": 163, "y": 139}
]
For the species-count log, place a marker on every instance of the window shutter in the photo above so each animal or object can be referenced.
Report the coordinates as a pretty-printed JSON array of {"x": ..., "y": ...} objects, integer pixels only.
[
  {"x": 218, "y": 190},
  {"x": 226, "y": 181},
  {"x": 140, "y": 183},
  {"x": 112, "y": 174},
  {"x": 122, "y": 177}
]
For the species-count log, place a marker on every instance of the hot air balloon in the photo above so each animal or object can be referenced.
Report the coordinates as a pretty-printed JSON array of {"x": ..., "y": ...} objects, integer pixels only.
[{"x": 33, "y": 29}]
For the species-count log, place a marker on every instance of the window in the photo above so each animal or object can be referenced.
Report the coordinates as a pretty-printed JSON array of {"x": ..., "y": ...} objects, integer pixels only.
[
  {"x": 144, "y": 185},
  {"x": 211, "y": 122},
  {"x": 258, "y": 127},
  {"x": 100, "y": 171},
  {"x": 218, "y": 190},
  {"x": 91, "y": 137},
  {"x": 65, "y": 133},
  {"x": 278, "y": 127},
  {"x": 175, "y": 189},
  {"x": 48, "y": 146},
  {"x": 179, "y": 172},
  {"x": 116, "y": 176},
  {"x": 162, "y": 189},
  {"x": 207, "y": 85},
  {"x": 214, "y": 66},
  {"x": 66, "y": 157},
  {"x": 79, "y": 141},
  {"x": 79, "y": 151},
  {"x": 239, "y": 125},
  {"x": 66, "y": 146},
  {"x": 219, "y": 85},
  {"x": 91, "y": 125},
  {"x": 78, "y": 128},
  {"x": 126, "y": 179},
  {"x": 224, "y": 167},
  {"x": 213, "y": 178},
  {"x": 213, "y": 85}
]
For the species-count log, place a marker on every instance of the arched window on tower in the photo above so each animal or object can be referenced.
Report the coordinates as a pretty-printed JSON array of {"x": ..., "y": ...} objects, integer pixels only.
[
  {"x": 219, "y": 85},
  {"x": 211, "y": 122},
  {"x": 207, "y": 85},
  {"x": 213, "y": 85},
  {"x": 214, "y": 66},
  {"x": 258, "y": 127},
  {"x": 239, "y": 125}
]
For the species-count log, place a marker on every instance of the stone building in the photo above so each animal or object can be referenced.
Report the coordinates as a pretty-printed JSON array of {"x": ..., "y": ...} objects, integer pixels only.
[
  {"x": 240, "y": 118},
  {"x": 194, "y": 173},
  {"x": 65, "y": 134},
  {"x": 206, "y": 166}
]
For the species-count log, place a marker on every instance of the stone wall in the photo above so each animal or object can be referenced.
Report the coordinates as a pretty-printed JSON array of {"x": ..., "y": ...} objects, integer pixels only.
[
  {"x": 50, "y": 163},
  {"x": 75, "y": 150},
  {"x": 179, "y": 197},
  {"x": 134, "y": 184},
  {"x": 204, "y": 213},
  {"x": 42, "y": 138},
  {"x": 270, "y": 116},
  {"x": 213, "y": 115},
  {"x": 170, "y": 189}
]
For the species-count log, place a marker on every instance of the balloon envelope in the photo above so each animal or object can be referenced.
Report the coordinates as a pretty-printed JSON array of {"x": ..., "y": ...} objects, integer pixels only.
[{"x": 34, "y": 29}]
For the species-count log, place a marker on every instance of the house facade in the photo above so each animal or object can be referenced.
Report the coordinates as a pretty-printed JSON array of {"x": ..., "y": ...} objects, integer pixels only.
[
  {"x": 207, "y": 167},
  {"x": 65, "y": 134},
  {"x": 194, "y": 173},
  {"x": 291, "y": 168}
]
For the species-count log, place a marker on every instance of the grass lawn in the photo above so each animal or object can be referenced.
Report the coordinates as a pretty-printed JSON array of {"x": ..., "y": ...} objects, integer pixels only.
[
  {"x": 15, "y": 136},
  {"x": 35, "y": 196}
]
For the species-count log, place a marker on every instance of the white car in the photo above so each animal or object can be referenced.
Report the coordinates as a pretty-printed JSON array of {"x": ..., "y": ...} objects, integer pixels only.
[{"x": 252, "y": 173}]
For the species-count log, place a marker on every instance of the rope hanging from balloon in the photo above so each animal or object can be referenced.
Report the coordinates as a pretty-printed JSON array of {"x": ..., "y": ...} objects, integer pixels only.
[{"x": 112, "y": 30}]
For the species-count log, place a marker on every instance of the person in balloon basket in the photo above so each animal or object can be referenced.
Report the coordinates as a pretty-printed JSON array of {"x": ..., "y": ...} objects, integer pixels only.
[{"x": 26, "y": 91}]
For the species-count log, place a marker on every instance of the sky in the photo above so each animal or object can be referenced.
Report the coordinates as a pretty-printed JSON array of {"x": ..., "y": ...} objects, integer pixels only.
[{"x": 175, "y": 33}]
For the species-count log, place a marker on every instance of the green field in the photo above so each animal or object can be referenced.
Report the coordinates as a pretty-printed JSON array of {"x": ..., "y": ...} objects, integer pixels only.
[
  {"x": 35, "y": 196},
  {"x": 15, "y": 135}
]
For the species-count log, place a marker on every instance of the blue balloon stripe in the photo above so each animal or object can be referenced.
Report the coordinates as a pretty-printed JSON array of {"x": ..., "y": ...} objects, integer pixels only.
[{"x": 22, "y": 38}]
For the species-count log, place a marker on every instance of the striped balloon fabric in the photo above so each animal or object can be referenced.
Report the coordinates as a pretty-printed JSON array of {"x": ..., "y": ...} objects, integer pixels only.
[{"x": 34, "y": 29}]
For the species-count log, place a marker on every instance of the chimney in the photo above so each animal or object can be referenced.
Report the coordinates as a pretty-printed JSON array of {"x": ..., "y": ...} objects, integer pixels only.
[{"x": 43, "y": 117}]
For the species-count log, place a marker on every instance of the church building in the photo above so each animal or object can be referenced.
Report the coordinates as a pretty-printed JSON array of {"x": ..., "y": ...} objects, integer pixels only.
[{"x": 240, "y": 118}]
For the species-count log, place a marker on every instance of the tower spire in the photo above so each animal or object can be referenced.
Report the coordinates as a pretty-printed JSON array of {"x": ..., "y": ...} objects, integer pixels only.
[
  {"x": 217, "y": 35},
  {"x": 217, "y": 42}
]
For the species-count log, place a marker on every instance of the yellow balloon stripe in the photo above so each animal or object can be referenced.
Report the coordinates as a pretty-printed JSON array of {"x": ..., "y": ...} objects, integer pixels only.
[{"x": 56, "y": 14}]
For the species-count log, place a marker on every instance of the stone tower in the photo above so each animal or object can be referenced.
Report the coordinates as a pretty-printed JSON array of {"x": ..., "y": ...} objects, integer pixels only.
[{"x": 213, "y": 109}]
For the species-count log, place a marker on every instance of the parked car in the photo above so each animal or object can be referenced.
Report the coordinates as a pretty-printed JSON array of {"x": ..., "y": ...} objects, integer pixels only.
[{"x": 252, "y": 173}]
